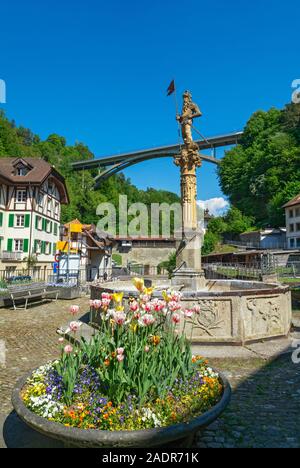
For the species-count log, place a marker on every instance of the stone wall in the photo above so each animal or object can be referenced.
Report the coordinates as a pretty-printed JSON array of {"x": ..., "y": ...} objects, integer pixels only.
[{"x": 152, "y": 256}]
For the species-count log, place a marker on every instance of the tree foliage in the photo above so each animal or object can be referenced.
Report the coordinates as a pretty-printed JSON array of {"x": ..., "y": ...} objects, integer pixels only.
[
  {"x": 263, "y": 171},
  {"x": 22, "y": 142}
]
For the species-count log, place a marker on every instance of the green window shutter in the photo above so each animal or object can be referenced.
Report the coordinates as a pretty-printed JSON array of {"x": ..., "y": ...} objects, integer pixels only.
[
  {"x": 51, "y": 227},
  {"x": 25, "y": 245},
  {"x": 43, "y": 247},
  {"x": 36, "y": 222},
  {"x": 54, "y": 249},
  {"x": 9, "y": 245},
  {"x": 55, "y": 229},
  {"x": 1, "y": 219},
  {"x": 44, "y": 224},
  {"x": 11, "y": 220},
  {"x": 27, "y": 220},
  {"x": 35, "y": 246}
]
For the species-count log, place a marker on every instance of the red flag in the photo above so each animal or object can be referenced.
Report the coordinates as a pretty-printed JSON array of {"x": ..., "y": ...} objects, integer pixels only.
[{"x": 171, "y": 88}]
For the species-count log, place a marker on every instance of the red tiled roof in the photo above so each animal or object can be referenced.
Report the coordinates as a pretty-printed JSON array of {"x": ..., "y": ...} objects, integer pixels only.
[{"x": 294, "y": 201}]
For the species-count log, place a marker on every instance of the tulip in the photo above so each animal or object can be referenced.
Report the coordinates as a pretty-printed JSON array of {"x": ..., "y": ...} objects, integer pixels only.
[
  {"x": 61, "y": 340},
  {"x": 120, "y": 357},
  {"x": 146, "y": 349},
  {"x": 74, "y": 309},
  {"x": 176, "y": 318},
  {"x": 74, "y": 326},
  {"x": 148, "y": 319},
  {"x": 120, "y": 351},
  {"x": 118, "y": 297},
  {"x": 68, "y": 349},
  {"x": 138, "y": 283},
  {"x": 188, "y": 313},
  {"x": 97, "y": 304}
]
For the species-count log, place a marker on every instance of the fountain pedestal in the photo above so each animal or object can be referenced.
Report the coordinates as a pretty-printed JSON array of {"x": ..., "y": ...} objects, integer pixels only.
[{"x": 188, "y": 274}]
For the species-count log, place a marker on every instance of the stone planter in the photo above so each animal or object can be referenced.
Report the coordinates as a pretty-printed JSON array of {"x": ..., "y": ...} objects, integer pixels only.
[
  {"x": 181, "y": 435},
  {"x": 66, "y": 293}
]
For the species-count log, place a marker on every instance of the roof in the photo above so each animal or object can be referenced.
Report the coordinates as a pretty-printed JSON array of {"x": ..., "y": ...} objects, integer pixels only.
[
  {"x": 39, "y": 170},
  {"x": 294, "y": 201},
  {"x": 267, "y": 231},
  {"x": 76, "y": 221}
]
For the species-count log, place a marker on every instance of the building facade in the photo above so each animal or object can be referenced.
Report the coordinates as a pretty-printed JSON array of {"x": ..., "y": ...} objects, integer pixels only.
[
  {"x": 31, "y": 195},
  {"x": 92, "y": 248},
  {"x": 292, "y": 217}
]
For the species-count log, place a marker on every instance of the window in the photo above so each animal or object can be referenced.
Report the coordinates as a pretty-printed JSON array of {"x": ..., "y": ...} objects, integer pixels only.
[
  {"x": 21, "y": 171},
  {"x": 297, "y": 212},
  {"x": 56, "y": 209},
  {"x": 298, "y": 242},
  {"x": 40, "y": 199},
  {"x": 298, "y": 227},
  {"x": 48, "y": 226},
  {"x": 291, "y": 213},
  {"x": 20, "y": 220},
  {"x": 39, "y": 223},
  {"x": 38, "y": 246},
  {"x": 49, "y": 205},
  {"x": 47, "y": 248},
  {"x": 291, "y": 228},
  {"x": 18, "y": 245},
  {"x": 292, "y": 243},
  {"x": 21, "y": 195}
]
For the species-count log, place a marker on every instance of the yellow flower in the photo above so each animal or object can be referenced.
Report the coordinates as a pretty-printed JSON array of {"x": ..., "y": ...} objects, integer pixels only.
[
  {"x": 138, "y": 283},
  {"x": 166, "y": 296},
  {"x": 118, "y": 297},
  {"x": 133, "y": 327},
  {"x": 148, "y": 291}
]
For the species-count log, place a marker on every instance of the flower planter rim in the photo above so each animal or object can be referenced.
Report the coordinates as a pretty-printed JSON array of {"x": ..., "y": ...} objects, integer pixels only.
[{"x": 99, "y": 437}]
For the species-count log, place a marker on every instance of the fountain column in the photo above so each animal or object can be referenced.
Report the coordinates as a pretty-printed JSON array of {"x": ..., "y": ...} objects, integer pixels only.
[{"x": 188, "y": 273}]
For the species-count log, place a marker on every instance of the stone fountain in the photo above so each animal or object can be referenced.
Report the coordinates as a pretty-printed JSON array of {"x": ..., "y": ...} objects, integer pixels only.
[{"x": 232, "y": 311}]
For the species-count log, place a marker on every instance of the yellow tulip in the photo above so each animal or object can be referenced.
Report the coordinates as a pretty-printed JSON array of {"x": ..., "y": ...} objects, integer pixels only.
[
  {"x": 138, "y": 283},
  {"x": 166, "y": 296},
  {"x": 148, "y": 291},
  {"x": 118, "y": 297}
]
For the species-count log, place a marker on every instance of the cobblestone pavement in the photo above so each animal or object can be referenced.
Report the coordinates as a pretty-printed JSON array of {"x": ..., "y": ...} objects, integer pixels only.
[{"x": 265, "y": 406}]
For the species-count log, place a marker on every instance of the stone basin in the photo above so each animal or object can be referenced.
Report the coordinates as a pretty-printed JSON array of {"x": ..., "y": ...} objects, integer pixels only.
[
  {"x": 181, "y": 435},
  {"x": 233, "y": 312}
]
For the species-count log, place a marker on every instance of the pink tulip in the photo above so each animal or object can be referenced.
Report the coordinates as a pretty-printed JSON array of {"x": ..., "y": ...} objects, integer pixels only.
[
  {"x": 74, "y": 309},
  {"x": 68, "y": 349},
  {"x": 106, "y": 295},
  {"x": 91, "y": 303},
  {"x": 74, "y": 326},
  {"x": 176, "y": 318},
  {"x": 188, "y": 313},
  {"x": 119, "y": 318},
  {"x": 120, "y": 351},
  {"x": 120, "y": 357},
  {"x": 146, "y": 349},
  {"x": 106, "y": 301},
  {"x": 196, "y": 309},
  {"x": 173, "y": 306},
  {"x": 148, "y": 319},
  {"x": 133, "y": 306},
  {"x": 97, "y": 304}
]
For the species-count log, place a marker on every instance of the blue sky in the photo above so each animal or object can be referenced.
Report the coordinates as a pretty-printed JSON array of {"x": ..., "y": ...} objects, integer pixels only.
[{"x": 97, "y": 71}]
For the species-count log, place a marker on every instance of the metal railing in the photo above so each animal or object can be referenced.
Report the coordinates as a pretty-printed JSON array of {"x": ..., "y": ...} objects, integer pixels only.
[
  {"x": 11, "y": 256},
  {"x": 279, "y": 245}
]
